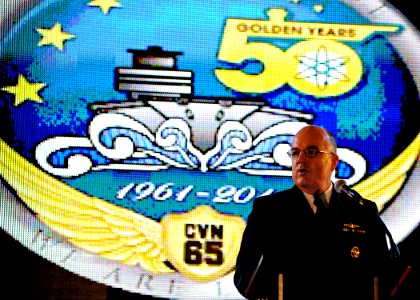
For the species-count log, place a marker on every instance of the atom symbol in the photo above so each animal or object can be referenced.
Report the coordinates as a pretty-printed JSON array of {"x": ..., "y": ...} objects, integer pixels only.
[{"x": 322, "y": 68}]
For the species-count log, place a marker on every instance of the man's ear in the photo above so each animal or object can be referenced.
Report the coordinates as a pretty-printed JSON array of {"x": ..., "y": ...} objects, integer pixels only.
[{"x": 335, "y": 160}]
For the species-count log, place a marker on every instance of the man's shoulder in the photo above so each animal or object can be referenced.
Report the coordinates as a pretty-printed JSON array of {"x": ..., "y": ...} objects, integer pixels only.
[
  {"x": 360, "y": 204},
  {"x": 280, "y": 197},
  {"x": 369, "y": 204}
]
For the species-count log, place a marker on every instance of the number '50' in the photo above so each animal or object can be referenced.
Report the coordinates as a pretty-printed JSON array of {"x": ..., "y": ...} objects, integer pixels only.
[{"x": 322, "y": 68}]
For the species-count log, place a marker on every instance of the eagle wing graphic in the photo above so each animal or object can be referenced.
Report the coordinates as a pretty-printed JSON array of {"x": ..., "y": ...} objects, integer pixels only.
[
  {"x": 383, "y": 185},
  {"x": 120, "y": 234},
  {"x": 88, "y": 222}
]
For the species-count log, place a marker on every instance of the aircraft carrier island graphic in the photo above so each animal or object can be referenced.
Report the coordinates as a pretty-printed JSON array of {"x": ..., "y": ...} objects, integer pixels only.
[{"x": 206, "y": 133}]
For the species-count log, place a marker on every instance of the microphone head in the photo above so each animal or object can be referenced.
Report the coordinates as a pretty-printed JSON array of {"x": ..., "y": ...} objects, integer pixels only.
[{"x": 339, "y": 184}]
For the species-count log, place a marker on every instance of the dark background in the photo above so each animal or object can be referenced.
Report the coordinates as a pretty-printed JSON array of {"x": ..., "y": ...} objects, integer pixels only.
[
  {"x": 409, "y": 9},
  {"x": 25, "y": 275}
]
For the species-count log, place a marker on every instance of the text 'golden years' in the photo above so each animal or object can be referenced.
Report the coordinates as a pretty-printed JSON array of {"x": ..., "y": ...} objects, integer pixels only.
[{"x": 296, "y": 31}]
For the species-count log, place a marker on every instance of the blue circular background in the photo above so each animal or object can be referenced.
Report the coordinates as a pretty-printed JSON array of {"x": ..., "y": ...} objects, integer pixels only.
[{"x": 375, "y": 119}]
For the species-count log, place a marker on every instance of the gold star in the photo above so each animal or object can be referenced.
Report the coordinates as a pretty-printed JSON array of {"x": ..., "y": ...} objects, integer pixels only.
[
  {"x": 25, "y": 90},
  {"x": 105, "y": 5},
  {"x": 54, "y": 36}
]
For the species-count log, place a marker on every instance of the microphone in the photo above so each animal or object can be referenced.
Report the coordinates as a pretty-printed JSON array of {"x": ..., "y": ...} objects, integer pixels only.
[{"x": 341, "y": 187}]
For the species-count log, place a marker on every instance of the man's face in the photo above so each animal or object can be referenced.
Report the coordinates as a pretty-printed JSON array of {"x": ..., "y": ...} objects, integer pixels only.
[{"x": 313, "y": 175}]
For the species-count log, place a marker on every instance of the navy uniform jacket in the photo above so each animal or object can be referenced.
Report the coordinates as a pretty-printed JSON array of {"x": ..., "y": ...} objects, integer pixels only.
[{"x": 336, "y": 258}]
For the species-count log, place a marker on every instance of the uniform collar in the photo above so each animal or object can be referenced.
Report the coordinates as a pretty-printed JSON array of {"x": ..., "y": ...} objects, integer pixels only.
[{"x": 325, "y": 197}]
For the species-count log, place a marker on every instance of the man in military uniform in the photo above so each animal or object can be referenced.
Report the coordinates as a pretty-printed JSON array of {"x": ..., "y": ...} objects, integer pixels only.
[{"x": 326, "y": 244}]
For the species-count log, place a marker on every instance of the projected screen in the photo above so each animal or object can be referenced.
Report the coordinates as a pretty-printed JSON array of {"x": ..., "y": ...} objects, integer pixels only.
[{"x": 135, "y": 135}]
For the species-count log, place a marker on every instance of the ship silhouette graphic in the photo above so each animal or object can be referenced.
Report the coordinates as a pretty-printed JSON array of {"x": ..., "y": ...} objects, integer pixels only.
[
  {"x": 163, "y": 125},
  {"x": 157, "y": 90}
]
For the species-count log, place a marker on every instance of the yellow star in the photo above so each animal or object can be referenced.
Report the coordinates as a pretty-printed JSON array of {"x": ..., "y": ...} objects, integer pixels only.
[
  {"x": 54, "y": 36},
  {"x": 25, "y": 90},
  {"x": 318, "y": 8},
  {"x": 295, "y": 1},
  {"x": 105, "y": 5}
]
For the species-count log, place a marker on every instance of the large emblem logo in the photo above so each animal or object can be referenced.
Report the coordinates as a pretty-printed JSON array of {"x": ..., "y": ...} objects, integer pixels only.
[{"x": 141, "y": 149}]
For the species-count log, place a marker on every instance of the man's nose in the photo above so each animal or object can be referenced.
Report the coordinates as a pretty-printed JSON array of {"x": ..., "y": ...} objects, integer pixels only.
[{"x": 301, "y": 155}]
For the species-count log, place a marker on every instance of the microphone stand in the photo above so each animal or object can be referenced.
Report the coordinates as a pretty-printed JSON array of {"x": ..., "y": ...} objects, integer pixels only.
[{"x": 251, "y": 281}]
